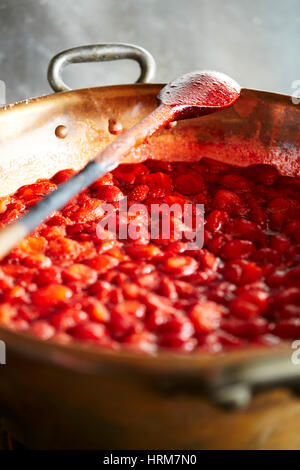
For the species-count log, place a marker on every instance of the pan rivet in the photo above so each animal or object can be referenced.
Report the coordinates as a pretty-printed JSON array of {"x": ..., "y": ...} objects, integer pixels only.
[
  {"x": 61, "y": 131},
  {"x": 114, "y": 126}
]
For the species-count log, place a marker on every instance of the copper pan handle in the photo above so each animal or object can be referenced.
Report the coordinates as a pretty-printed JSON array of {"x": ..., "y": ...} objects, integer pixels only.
[{"x": 99, "y": 53}]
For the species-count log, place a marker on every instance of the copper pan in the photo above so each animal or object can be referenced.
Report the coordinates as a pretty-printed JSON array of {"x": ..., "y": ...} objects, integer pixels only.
[{"x": 54, "y": 396}]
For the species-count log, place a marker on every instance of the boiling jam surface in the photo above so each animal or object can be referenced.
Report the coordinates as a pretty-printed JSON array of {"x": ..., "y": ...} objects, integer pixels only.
[{"x": 71, "y": 280}]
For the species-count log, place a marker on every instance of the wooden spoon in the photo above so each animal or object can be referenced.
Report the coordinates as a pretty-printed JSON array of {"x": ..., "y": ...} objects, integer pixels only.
[{"x": 192, "y": 95}]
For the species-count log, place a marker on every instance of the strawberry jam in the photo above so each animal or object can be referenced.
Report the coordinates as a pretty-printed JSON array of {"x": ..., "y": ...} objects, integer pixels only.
[{"x": 75, "y": 280}]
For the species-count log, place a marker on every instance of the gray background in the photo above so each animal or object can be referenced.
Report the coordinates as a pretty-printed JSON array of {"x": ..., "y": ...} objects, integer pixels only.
[{"x": 257, "y": 42}]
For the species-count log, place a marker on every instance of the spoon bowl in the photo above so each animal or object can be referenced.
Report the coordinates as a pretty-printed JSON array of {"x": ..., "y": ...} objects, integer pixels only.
[{"x": 198, "y": 93}]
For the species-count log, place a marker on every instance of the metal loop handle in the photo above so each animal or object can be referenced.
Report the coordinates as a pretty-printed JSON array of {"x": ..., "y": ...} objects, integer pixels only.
[{"x": 99, "y": 53}]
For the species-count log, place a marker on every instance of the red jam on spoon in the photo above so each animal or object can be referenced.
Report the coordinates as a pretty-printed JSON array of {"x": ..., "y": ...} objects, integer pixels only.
[{"x": 199, "y": 93}]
